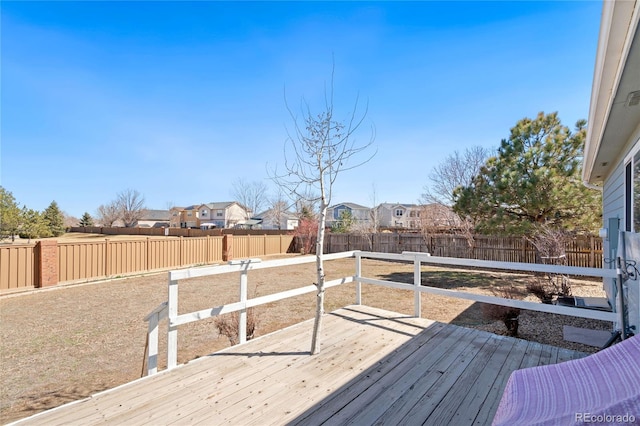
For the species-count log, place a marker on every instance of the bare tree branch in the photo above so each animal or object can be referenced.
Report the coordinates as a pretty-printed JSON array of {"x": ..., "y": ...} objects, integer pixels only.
[
  {"x": 456, "y": 170},
  {"x": 252, "y": 195},
  {"x": 318, "y": 149},
  {"x": 131, "y": 206}
]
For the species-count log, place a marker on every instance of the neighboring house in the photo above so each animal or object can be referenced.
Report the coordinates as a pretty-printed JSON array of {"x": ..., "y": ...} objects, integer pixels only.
[
  {"x": 612, "y": 149},
  {"x": 189, "y": 217},
  {"x": 399, "y": 215},
  {"x": 154, "y": 219},
  {"x": 226, "y": 214},
  {"x": 175, "y": 218},
  {"x": 270, "y": 219},
  {"x": 358, "y": 213}
]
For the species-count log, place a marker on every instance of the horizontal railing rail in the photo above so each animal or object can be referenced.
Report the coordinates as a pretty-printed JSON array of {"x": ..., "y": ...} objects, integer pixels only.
[{"x": 169, "y": 309}]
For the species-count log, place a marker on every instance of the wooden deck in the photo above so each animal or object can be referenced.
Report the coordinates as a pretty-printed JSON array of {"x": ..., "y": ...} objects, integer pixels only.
[{"x": 375, "y": 367}]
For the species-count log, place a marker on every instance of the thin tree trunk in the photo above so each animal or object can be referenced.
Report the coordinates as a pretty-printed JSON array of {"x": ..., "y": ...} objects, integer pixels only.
[{"x": 317, "y": 325}]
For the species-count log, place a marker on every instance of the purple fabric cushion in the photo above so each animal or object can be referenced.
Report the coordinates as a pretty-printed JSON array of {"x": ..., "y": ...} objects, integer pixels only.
[{"x": 601, "y": 388}]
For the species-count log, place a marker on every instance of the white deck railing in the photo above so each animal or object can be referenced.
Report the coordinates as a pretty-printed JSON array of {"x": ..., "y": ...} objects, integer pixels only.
[{"x": 169, "y": 309}]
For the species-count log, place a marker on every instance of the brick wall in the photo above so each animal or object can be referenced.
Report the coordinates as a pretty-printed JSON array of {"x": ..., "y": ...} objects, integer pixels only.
[{"x": 47, "y": 254}]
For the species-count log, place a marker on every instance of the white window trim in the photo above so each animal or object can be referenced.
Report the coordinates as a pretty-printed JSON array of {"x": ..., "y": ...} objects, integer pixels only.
[{"x": 628, "y": 159}]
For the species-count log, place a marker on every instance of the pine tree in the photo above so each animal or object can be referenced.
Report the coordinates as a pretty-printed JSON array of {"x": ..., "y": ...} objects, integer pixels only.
[
  {"x": 34, "y": 224},
  {"x": 535, "y": 180},
  {"x": 86, "y": 220},
  {"x": 54, "y": 219},
  {"x": 10, "y": 217}
]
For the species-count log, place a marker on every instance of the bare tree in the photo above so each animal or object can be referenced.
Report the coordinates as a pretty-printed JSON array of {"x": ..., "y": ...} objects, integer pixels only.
[
  {"x": 278, "y": 209},
  {"x": 108, "y": 214},
  {"x": 131, "y": 206},
  {"x": 319, "y": 149},
  {"x": 457, "y": 169},
  {"x": 252, "y": 195},
  {"x": 306, "y": 204}
]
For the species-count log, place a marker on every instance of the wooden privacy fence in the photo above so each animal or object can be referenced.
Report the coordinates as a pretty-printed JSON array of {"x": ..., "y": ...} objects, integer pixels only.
[
  {"x": 584, "y": 251},
  {"x": 48, "y": 262}
]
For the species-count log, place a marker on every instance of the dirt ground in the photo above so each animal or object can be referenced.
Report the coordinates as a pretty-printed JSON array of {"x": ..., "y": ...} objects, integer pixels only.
[{"x": 66, "y": 343}]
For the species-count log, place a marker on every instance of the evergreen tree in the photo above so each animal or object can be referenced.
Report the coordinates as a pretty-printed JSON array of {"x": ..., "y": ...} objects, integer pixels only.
[
  {"x": 86, "y": 220},
  {"x": 535, "y": 180},
  {"x": 34, "y": 224},
  {"x": 54, "y": 219},
  {"x": 344, "y": 223},
  {"x": 10, "y": 217}
]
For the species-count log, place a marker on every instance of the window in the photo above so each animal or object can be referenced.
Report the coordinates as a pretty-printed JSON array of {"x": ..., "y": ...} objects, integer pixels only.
[
  {"x": 203, "y": 212},
  {"x": 412, "y": 213},
  {"x": 632, "y": 190},
  {"x": 219, "y": 214},
  {"x": 188, "y": 213},
  {"x": 399, "y": 212}
]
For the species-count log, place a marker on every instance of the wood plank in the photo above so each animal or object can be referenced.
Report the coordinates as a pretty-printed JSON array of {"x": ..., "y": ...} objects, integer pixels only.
[
  {"x": 337, "y": 367},
  {"x": 397, "y": 381},
  {"x": 453, "y": 361},
  {"x": 246, "y": 379},
  {"x": 463, "y": 402},
  {"x": 436, "y": 340},
  {"x": 375, "y": 366},
  {"x": 238, "y": 383},
  {"x": 488, "y": 408},
  {"x": 463, "y": 371}
]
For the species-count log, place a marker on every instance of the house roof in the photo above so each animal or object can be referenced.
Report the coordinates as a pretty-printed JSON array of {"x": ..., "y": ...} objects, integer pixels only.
[
  {"x": 352, "y": 206},
  {"x": 394, "y": 205},
  {"x": 612, "y": 119},
  {"x": 285, "y": 215},
  {"x": 156, "y": 215},
  {"x": 220, "y": 205}
]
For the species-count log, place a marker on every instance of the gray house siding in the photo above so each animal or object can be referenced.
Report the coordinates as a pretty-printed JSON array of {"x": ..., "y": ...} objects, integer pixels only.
[
  {"x": 613, "y": 188},
  {"x": 613, "y": 202}
]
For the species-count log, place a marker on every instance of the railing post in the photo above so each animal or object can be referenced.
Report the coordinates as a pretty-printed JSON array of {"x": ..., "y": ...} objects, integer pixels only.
[
  {"x": 356, "y": 278},
  {"x": 417, "y": 281},
  {"x": 152, "y": 357},
  {"x": 242, "y": 320},
  {"x": 172, "y": 333}
]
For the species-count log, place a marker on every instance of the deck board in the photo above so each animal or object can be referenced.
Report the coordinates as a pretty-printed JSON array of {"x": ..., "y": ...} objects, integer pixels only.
[{"x": 375, "y": 367}]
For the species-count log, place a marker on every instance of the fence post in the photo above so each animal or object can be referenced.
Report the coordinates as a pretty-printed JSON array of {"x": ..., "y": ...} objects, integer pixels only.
[
  {"x": 148, "y": 247},
  {"x": 172, "y": 332},
  {"x": 47, "y": 258},
  {"x": 592, "y": 252},
  {"x": 227, "y": 247},
  {"x": 181, "y": 250},
  {"x": 107, "y": 258},
  {"x": 417, "y": 281},
  {"x": 357, "y": 279},
  {"x": 242, "y": 320},
  {"x": 152, "y": 354}
]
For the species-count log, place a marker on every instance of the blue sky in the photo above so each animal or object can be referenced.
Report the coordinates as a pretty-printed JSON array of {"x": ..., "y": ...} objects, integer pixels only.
[{"x": 177, "y": 100}]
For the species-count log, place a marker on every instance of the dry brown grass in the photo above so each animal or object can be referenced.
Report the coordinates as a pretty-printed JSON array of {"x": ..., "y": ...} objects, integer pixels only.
[{"x": 67, "y": 343}]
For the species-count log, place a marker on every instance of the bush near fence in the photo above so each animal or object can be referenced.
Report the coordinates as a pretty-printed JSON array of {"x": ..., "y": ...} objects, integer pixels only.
[
  {"x": 49, "y": 262},
  {"x": 583, "y": 251}
]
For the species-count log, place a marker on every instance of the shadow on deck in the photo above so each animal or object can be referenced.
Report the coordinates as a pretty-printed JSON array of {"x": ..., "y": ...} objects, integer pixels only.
[{"x": 375, "y": 367}]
